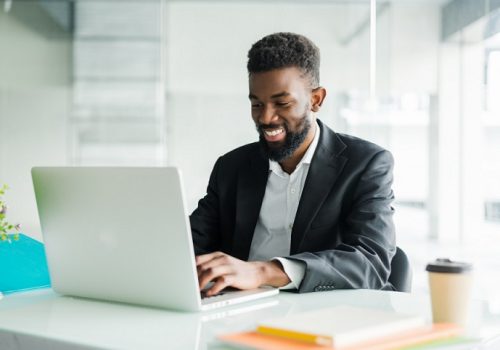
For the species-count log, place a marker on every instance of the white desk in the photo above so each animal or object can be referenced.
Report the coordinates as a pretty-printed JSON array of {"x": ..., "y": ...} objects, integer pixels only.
[{"x": 44, "y": 320}]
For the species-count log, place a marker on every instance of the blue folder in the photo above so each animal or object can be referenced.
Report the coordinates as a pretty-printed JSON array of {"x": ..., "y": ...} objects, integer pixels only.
[{"x": 23, "y": 265}]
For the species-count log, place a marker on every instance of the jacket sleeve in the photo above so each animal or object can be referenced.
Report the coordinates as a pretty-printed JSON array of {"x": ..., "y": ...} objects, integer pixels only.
[
  {"x": 205, "y": 219},
  {"x": 367, "y": 239}
]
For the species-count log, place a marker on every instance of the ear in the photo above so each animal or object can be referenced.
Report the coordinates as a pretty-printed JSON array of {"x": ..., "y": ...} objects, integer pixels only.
[{"x": 317, "y": 97}]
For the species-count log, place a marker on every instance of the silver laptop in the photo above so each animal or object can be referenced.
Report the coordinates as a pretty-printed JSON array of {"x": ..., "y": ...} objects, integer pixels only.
[{"x": 123, "y": 234}]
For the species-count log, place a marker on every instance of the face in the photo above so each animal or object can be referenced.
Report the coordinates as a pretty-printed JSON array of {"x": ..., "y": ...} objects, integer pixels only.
[{"x": 282, "y": 108}]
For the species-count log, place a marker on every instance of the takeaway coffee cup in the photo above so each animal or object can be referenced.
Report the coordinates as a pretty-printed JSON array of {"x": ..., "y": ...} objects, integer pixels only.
[{"x": 450, "y": 284}]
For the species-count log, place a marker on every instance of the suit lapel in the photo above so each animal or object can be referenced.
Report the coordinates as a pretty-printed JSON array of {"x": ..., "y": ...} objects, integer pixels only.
[
  {"x": 326, "y": 166},
  {"x": 251, "y": 189}
]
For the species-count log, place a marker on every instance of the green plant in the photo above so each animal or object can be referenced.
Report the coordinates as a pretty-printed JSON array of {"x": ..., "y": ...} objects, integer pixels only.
[{"x": 5, "y": 226}]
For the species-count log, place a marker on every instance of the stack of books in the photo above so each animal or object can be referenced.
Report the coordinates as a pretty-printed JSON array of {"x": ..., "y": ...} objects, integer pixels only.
[{"x": 345, "y": 328}]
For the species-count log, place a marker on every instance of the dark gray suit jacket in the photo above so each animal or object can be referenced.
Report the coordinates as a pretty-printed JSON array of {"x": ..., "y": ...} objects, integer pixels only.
[{"x": 343, "y": 230}]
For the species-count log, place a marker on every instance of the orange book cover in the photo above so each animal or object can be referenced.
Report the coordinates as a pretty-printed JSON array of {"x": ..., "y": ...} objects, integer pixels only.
[{"x": 421, "y": 335}]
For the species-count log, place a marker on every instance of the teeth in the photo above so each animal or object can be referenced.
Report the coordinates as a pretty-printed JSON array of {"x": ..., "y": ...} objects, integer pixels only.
[{"x": 273, "y": 132}]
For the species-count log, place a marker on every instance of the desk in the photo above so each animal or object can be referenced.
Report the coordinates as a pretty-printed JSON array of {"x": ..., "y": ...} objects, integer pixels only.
[{"x": 44, "y": 320}]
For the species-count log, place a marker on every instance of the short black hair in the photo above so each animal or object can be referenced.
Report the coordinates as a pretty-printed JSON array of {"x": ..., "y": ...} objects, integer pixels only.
[{"x": 282, "y": 50}]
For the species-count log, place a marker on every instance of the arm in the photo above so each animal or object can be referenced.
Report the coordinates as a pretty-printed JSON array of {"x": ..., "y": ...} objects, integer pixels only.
[
  {"x": 367, "y": 240},
  {"x": 205, "y": 220}
]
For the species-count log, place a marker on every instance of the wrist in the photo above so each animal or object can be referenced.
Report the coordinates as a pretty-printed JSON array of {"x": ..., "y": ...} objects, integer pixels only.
[{"x": 272, "y": 274}]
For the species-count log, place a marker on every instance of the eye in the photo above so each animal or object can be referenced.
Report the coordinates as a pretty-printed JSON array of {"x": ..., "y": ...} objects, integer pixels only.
[
  {"x": 283, "y": 104},
  {"x": 256, "y": 105}
]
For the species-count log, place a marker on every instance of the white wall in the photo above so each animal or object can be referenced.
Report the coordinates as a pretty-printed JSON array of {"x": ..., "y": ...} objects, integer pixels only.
[
  {"x": 34, "y": 100},
  {"x": 415, "y": 38}
]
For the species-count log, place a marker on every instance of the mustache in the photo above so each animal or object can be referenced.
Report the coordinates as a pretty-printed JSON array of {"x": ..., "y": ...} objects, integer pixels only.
[{"x": 262, "y": 127}]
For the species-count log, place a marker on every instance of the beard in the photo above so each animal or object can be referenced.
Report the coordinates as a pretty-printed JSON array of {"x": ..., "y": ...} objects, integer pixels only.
[{"x": 293, "y": 140}]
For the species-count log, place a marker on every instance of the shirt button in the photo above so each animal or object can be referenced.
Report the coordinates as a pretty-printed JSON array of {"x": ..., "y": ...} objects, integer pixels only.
[{"x": 292, "y": 190}]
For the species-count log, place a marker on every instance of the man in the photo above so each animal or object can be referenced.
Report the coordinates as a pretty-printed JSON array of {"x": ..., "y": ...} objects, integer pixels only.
[{"x": 304, "y": 208}]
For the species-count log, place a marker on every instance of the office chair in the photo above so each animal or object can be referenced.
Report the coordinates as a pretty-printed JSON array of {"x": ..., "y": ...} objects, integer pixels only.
[{"x": 401, "y": 273}]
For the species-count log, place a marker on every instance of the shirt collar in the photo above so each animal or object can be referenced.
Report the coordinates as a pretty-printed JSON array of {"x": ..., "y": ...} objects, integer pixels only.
[{"x": 275, "y": 167}]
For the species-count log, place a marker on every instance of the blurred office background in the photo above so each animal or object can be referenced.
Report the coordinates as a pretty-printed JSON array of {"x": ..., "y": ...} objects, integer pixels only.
[{"x": 119, "y": 82}]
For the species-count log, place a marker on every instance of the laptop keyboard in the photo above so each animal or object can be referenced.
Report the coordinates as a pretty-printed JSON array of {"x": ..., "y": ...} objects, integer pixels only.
[{"x": 205, "y": 297}]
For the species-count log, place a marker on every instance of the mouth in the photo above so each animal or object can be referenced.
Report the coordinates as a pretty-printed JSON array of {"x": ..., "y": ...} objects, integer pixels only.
[{"x": 275, "y": 134}]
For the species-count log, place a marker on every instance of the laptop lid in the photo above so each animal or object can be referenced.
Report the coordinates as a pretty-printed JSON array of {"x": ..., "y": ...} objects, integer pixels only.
[
  {"x": 123, "y": 234},
  {"x": 119, "y": 234}
]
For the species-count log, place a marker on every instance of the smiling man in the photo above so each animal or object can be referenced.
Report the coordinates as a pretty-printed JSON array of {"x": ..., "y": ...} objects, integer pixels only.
[{"x": 304, "y": 208}]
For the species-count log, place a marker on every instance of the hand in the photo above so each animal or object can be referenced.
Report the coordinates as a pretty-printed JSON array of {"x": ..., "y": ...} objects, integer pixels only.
[{"x": 227, "y": 271}]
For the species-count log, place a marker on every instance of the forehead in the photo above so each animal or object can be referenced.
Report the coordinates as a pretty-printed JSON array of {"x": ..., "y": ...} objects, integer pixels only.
[{"x": 264, "y": 84}]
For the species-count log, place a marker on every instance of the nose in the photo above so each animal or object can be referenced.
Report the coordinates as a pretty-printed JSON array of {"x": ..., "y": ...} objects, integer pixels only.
[{"x": 268, "y": 115}]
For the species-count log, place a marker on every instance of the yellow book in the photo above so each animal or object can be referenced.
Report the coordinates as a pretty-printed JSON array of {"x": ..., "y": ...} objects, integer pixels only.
[{"x": 340, "y": 326}]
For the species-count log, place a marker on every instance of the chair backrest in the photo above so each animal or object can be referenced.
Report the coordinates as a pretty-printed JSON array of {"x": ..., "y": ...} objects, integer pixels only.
[{"x": 401, "y": 273}]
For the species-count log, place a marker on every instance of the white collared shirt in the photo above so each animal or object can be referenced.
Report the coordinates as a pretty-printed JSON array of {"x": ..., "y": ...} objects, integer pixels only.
[{"x": 273, "y": 232}]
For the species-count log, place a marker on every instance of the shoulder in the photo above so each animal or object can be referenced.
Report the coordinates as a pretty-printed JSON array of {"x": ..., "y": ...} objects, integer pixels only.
[
  {"x": 363, "y": 154},
  {"x": 355, "y": 149},
  {"x": 356, "y": 145},
  {"x": 241, "y": 154},
  {"x": 240, "y": 159}
]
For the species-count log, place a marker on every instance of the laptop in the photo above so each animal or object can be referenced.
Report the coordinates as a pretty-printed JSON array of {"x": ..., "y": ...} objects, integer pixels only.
[{"x": 123, "y": 234}]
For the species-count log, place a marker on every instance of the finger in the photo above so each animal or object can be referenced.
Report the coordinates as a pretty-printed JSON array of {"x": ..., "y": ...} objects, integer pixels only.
[
  {"x": 213, "y": 273},
  {"x": 201, "y": 259},
  {"x": 216, "y": 261},
  {"x": 221, "y": 283}
]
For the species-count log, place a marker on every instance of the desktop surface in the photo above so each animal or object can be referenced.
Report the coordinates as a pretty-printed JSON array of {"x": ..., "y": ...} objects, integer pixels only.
[{"x": 45, "y": 320}]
